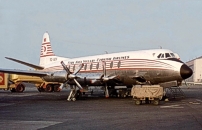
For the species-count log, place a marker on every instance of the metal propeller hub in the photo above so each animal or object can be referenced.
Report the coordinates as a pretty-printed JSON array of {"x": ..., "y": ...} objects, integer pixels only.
[{"x": 72, "y": 76}]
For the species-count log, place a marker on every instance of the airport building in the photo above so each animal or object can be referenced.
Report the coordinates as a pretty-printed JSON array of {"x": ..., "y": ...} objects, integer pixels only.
[{"x": 196, "y": 66}]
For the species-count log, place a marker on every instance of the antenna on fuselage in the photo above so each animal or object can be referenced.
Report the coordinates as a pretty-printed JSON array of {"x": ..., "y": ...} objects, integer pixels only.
[
  {"x": 106, "y": 52},
  {"x": 160, "y": 47}
]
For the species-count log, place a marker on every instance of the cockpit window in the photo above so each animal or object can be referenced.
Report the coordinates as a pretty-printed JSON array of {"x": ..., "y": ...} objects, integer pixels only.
[
  {"x": 159, "y": 55},
  {"x": 162, "y": 56},
  {"x": 172, "y": 55},
  {"x": 167, "y": 55}
]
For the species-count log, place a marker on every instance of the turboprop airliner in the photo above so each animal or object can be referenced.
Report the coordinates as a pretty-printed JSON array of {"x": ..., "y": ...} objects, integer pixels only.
[{"x": 123, "y": 68}]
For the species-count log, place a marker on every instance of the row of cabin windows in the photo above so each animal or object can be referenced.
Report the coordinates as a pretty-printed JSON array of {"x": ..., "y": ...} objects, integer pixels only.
[{"x": 98, "y": 65}]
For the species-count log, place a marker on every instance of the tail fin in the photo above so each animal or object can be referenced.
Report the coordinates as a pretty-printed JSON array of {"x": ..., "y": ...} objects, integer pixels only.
[
  {"x": 46, "y": 49},
  {"x": 47, "y": 55}
]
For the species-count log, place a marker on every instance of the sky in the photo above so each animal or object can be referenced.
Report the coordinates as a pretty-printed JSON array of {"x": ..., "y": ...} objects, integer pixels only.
[{"x": 90, "y": 27}]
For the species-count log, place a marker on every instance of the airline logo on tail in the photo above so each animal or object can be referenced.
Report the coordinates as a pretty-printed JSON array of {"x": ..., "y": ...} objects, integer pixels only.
[{"x": 46, "y": 49}]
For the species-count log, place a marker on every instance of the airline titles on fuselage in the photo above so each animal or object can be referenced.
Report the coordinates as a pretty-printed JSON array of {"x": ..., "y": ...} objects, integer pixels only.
[{"x": 99, "y": 59}]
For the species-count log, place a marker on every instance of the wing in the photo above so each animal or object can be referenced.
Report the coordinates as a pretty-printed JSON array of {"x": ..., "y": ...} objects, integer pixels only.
[
  {"x": 26, "y": 63},
  {"x": 24, "y": 72}
]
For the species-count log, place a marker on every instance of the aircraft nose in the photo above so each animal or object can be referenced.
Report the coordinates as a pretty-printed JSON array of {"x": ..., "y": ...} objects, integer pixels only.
[{"x": 185, "y": 71}]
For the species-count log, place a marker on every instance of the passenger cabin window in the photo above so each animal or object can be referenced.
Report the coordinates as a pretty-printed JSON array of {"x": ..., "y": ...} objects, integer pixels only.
[
  {"x": 111, "y": 64},
  {"x": 97, "y": 66},
  {"x": 85, "y": 67},
  {"x": 119, "y": 64},
  {"x": 73, "y": 67},
  {"x": 91, "y": 66}
]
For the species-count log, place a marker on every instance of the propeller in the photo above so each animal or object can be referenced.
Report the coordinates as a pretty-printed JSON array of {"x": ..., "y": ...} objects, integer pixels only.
[
  {"x": 105, "y": 79},
  {"x": 71, "y": 76}
]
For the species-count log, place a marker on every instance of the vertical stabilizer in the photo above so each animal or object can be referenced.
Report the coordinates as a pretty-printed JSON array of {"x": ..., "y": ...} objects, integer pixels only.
[
  {"x": 47, "y": 55},
  {"x": 46, "y": 49}
]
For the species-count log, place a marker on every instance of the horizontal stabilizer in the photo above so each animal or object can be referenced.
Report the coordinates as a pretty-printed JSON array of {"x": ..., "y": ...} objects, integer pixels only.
[
  {"x": 24, "y": 72},
  {"x": 27, "y": 64}
]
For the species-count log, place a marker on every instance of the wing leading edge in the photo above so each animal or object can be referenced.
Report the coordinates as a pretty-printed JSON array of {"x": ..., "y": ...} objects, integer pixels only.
[
  {"x": 24, "y": 72},
  {"x": 26, "y": 63}
]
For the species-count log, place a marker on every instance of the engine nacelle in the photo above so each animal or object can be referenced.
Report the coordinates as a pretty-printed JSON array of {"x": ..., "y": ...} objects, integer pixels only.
[
  {"x": 59, "y": 76},
  {"x": 89, "y": 81}
]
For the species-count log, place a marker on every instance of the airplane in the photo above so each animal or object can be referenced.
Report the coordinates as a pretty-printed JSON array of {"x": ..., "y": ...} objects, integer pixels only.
[{"x": 129, "y": 68}]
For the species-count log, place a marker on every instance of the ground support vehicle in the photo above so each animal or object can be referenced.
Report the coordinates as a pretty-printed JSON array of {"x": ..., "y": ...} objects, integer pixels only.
[
  {"x": 147, "y": 93},
  {"x": 14, "y": 83},
  {"x": 7, "y": 84}
]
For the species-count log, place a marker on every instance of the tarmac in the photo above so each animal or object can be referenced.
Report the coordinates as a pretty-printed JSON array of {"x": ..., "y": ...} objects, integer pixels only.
[{"x": 34, "y": 110}]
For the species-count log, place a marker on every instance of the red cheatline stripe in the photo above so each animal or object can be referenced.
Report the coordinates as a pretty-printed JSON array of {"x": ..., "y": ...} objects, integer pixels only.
[
  {"x": 151, "y": 64},
  {"x": 49, "y": 53},
  {"x": 46, "y": 55},
  {"x": 45, "y": 43}
]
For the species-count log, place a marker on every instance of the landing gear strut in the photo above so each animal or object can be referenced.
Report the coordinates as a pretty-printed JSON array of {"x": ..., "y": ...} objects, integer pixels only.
[
  {"x": 106, "y": 92},
  {"x": 74, "y": 94}
]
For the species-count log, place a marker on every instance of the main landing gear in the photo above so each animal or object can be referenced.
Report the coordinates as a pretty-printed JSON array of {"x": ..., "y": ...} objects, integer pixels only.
[{"x": 74, "y": 94}]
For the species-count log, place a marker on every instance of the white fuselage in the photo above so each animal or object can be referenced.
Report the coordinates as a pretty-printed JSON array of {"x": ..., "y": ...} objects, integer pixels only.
[{"x": 131, "y": 67}]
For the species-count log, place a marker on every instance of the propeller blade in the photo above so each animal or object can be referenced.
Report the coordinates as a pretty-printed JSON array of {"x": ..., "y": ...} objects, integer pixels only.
[
  {"x": 104, "y": 68},
  {"x": 65, "y": 67},
  {"x": 108, "y": 78},
  {"x": 61, "y": 86},
  {"x": 78, "y": 69},
  {"x": 64, "y": 84},
  {"x": 77, "y": 83},
  {"x": 112, "y": 77},
  {"x": 105, "y": 79}
]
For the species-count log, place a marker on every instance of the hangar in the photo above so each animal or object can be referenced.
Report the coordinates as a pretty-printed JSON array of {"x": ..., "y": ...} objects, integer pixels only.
[{"x": 196, "y": 66}]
